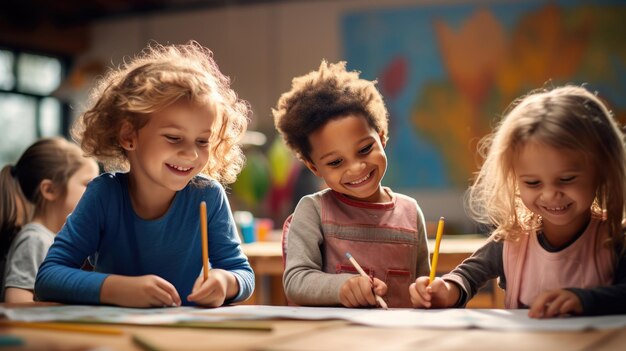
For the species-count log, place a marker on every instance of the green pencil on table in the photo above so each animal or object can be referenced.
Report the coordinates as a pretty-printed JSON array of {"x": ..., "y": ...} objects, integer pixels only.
[{"x": 143, "y": 343}]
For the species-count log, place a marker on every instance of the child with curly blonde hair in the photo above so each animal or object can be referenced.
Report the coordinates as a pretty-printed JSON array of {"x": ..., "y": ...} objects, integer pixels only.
[
  {"x": 336, "y": 123},
  {"x": 552, "y": 185},
  {"x": 171, "y": 122}
]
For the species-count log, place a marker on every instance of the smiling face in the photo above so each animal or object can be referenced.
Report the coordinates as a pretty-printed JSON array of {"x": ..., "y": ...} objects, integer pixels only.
[
  {"x": 169, "y": 150},
  {"x": 349, "y": 155},
  {"x": 559, "y": 185}
]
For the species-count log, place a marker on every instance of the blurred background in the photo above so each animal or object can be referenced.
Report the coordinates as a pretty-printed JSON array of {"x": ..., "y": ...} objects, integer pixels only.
[{"x": 447, "y": 70}]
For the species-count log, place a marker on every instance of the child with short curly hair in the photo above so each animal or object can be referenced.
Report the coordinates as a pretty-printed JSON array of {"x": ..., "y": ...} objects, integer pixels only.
[
  {"x": 336, "y": 123},
  {"x": 171, "y": 121}
]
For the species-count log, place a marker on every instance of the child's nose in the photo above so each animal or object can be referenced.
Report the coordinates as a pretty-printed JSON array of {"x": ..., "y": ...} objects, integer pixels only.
[
  {"x": 357, "y": 167},
  {"x": 188, "y": 153},
  {"x": 551, "y": 193}
]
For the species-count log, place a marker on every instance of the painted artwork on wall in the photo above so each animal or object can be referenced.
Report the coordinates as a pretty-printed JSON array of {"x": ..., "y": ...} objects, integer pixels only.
[{"x": 447, "y": 72}]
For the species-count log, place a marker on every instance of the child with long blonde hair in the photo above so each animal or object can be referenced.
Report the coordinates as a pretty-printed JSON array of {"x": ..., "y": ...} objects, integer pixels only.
[
  {"x": 170, "y": 121},
  {"x": 552, "y": 186},
  {"x": 37, "y": 194}
]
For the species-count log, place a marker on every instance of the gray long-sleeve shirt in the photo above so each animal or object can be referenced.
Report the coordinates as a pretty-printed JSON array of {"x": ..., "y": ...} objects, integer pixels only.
[{"x": 305, "y": 280}]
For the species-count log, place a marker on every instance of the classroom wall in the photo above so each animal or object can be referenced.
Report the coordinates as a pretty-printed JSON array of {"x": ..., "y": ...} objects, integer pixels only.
[{"x": 261, "y": 47}]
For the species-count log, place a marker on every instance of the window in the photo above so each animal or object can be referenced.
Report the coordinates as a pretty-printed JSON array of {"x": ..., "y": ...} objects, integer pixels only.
[{"x": 27, "y": 109}]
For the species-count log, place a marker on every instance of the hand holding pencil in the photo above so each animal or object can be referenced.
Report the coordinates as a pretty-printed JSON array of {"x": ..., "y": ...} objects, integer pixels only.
[
  {"x": 358, "y": 292},
  {"x": 211, "y": 290},
  {"x": 430, "y": 291}
]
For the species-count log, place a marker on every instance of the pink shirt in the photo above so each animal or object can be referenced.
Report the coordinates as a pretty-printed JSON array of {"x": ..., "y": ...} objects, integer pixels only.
[{"x": 531, "y": 270}]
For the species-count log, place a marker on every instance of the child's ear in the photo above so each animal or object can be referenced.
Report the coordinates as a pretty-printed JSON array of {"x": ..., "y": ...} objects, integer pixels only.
[
  {"x": 312, "y": 168},
  {"x": 383, "y": 139},
  {"x": 48, "y": 190},
  {"x": 127, "y": 137}
]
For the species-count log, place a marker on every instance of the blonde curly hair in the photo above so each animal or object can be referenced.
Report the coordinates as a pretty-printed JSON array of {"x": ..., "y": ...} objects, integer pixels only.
[
  {"x": 568, "y": 117},
  {"x": 158, "y": 77},
  {"x": 329, "y": 93}
]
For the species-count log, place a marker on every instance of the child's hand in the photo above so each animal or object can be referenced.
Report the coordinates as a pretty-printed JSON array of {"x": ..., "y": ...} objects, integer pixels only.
[
  {"x": 215, "y": 290},
  {"x": 359, "y": 291},
  {"x": 555, "y": 303},
  {"x": 437, "y": 294},
  {"x": 142, "y": 291}
]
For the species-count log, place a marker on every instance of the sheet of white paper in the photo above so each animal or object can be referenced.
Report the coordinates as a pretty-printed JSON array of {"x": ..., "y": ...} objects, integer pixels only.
[
  {"x": 305, "y": 313},
  {"x": 106, "y": 314},
  {"x": 495, "y": 319},
  {"x": 517, "y": 320}
]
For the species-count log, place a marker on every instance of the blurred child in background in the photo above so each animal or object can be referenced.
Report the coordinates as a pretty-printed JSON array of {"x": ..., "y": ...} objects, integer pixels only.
[{"x": 37, "y": 195}]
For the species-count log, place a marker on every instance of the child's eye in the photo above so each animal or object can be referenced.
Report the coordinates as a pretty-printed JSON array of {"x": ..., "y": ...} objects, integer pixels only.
[
  {"x": 172, "y": 138},
  {"x": 366, "y": 149},
  {"x": 203, "y": 142},
  {"x": 334, "y": 163},
  {"x": 532, "y": 184},
  {"x": 568, "y": 179}
]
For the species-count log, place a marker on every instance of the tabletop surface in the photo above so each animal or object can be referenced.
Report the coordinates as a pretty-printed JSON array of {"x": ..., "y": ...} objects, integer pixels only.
[{"x": 287, "y": 334}]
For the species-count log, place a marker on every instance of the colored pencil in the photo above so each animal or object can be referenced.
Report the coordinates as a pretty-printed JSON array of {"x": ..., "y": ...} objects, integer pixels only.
[
  {"x": 62, "y": 326},
  {"x": 433, "y": 267},
  {"x": 205, "y": 241},
  {"x": 261, "y": 325},
  {"x": 143, "y": 344},
  {"x": 356, "y": 265}
]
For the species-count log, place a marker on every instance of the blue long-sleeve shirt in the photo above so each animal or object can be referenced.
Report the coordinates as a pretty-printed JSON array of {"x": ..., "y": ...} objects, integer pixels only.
[{"x": 105, "y": 228}]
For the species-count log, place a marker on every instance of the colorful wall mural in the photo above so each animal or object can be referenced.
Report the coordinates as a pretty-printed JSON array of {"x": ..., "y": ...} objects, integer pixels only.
[{"x": 447, "y": 72}]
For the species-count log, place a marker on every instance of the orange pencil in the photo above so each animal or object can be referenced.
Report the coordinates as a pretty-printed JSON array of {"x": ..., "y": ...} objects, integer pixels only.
[
  {"x": 205, "y": 241},
  {"x": 433, "y": 267},
  {"x": 63, "y": 326}
]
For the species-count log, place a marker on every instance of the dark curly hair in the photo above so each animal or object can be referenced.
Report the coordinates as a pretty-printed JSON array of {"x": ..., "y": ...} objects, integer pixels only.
[{"x": 320, "y": 96}]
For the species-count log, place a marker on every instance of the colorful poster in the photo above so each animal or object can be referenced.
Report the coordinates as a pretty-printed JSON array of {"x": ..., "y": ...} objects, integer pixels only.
[{"x": 448, "y": 72}]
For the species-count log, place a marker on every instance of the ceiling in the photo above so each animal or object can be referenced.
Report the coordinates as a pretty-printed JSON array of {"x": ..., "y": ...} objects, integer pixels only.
[
  {"x": 60, "y": 26},
  {"x": 68, "y": 13}
]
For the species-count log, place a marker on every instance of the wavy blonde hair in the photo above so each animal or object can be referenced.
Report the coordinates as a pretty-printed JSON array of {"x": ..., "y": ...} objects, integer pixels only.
[
  {"x": 155, "y": 79},
  {"x": 568, "y": 117}
]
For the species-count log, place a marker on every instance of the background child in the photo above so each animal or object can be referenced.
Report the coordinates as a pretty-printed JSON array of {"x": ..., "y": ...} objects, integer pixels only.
[
  {"x": 166, "y": 116},
  {"x": 41, "y": 189},
  {"x": 336, "y": 123},
  {"x": 554, "y": 163}
]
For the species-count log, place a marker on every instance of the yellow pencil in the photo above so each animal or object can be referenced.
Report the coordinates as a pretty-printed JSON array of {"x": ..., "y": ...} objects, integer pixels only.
[
  {"x": 356, "y": 265},
  {"x": 62, "y": 326},
  {"x": 205, "y": 241},
  {"x": 433, "y": 267}
]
